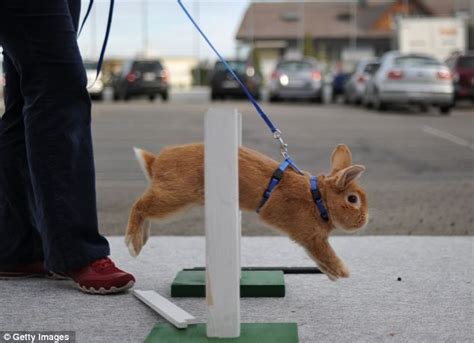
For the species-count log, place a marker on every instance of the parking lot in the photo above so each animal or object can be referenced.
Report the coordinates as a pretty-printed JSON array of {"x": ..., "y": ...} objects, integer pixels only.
[{"x": 420, "y": 166}]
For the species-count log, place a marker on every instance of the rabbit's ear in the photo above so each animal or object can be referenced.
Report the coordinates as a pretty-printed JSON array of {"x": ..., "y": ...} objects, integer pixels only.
[
  {"x": 345, "y": 176},
  {"x": 341, "y": 158}
]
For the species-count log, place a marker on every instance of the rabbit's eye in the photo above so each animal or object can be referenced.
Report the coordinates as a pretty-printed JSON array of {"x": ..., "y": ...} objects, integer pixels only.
[{"x": 352, "y": 199}]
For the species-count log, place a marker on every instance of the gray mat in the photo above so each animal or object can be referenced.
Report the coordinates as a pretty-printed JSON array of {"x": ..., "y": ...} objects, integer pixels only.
[{"x": 432, "y": 303}]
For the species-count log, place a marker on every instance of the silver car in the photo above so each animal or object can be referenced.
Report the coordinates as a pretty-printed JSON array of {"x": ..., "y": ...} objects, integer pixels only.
[
  {"x": 354, "y": 88},
  {"x": 296, "y": 79},
  {"x": 410, "y": 79}
]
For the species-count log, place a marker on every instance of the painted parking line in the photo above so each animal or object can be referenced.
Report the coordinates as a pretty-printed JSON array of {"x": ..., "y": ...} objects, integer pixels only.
[{"x": 448, "y": 136}]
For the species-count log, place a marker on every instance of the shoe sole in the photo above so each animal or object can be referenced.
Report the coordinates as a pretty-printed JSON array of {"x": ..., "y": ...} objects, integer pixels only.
[{"x": 103, "y": 291}]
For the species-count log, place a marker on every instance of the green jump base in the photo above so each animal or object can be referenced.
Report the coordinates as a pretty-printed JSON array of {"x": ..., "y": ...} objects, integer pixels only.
[
  {"x": 250, "y": 333},
  {"x": 253, "y": 284}
]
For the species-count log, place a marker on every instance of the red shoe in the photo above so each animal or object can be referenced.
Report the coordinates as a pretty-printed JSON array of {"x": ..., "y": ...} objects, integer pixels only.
[
  {"x": 23, "y": 271},
  {"x": 102, "y": 277}
]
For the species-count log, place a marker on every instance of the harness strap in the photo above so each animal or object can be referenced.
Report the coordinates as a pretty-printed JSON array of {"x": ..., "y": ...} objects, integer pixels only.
[
  {"x": 316, "y": 194},
  {"x": 274, "y": 181}
]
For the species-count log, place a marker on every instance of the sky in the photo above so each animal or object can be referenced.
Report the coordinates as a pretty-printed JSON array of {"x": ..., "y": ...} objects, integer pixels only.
[{"x": 169, "y": 30}]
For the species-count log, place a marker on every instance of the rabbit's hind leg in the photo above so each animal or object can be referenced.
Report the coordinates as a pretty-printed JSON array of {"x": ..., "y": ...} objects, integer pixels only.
[{"x": 153, "y": 204}]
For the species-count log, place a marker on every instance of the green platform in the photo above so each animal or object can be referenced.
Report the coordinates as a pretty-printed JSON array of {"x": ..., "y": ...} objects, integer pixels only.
[
  {"x": 250, "y": 333},
  {"x": 253, "y": 284}
]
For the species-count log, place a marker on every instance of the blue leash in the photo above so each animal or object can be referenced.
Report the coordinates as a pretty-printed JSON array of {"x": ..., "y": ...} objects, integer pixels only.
[
  {"x": 288, "y": 162},
  {"x": 107, "y": 33},
  {"x": 275, "y": 131}
]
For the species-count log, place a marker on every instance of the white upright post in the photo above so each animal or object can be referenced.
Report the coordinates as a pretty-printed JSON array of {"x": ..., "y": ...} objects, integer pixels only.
[{"x": 222, "y": 139}]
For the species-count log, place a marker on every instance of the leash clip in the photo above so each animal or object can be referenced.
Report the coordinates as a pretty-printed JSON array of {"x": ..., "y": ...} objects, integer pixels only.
[{"x": 283, "y": 145}]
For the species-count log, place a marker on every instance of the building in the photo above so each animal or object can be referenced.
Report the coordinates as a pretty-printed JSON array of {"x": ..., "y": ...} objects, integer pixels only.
[
  {"x": 180, "y": 70},
  {"x": 335, "y": 30}
]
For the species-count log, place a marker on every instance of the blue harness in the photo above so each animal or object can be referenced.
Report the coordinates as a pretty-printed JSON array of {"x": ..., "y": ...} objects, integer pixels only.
[{"x": 275, "y": 180}]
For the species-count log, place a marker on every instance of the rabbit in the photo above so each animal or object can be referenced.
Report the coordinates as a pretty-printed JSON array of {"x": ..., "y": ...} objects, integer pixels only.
[{"x": 176, "y": 179}]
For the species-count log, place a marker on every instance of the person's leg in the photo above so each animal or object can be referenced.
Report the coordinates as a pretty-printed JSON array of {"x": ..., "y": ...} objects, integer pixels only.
[
  {"x": 40, "y": 37},
  {"x": 20, "y": 242}
]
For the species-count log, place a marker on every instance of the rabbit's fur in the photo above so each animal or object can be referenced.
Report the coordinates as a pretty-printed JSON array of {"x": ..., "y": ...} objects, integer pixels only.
[{"x": 177, "y": 182}]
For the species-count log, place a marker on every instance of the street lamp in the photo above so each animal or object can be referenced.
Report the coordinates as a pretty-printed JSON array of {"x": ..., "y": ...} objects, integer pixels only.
[{"x": 145, "y": 27}]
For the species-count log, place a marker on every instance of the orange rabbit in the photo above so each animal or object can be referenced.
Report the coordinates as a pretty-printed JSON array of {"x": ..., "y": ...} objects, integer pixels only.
[{"x": 176, "y": 178}]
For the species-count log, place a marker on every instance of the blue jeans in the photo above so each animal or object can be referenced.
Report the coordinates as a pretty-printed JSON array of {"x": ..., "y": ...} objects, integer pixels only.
[{"x": 47, "y": 178}]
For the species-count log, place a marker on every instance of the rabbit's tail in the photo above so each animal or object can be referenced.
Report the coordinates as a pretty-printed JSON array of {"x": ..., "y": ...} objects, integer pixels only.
[{"x": 145, "y": 159}]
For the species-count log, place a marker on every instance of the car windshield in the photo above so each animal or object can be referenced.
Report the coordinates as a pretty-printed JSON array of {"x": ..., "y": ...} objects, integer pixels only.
[
  {"x": 294, "y": 66},
  {"x": 466, "y": 62},
  {"x": 238, "y": 66},
  {"x": 371, "y": 68},
  {"x": 90, "y": 65},
  {"x": 147, "y": 66},
  {"x": 414, "y": 61}
]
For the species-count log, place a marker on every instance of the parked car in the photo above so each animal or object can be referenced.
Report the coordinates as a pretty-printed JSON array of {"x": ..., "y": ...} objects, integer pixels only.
[
  {"x": 354, "y": 89},
  {"x": 141, "y": 78},
  {"x": 223, "y": 84},
  {"x": 297, "y": 79},
  {"x": 410, "y": 79},
  {"x": 95, "y": 87},
  {"x": 462, "y": 69}
]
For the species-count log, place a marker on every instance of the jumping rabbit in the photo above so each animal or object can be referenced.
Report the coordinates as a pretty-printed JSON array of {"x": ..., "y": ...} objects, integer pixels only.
[{"x": 176, "y": 178}]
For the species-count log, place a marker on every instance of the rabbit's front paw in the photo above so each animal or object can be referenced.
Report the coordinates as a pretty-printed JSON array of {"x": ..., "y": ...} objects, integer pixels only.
[
  {"x": 334, "y": 271},
  {"x": 135, "y": 242}
]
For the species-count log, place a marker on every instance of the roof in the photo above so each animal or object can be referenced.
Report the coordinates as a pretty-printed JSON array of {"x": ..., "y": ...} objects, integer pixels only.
[{"x": 287, "y": 20}]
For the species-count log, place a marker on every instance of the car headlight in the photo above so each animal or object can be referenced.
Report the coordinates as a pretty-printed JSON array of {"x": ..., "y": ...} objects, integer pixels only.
[{"x": 284, "y": 80}]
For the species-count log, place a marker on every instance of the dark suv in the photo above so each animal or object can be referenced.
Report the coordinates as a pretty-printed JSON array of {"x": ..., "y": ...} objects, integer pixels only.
[
  {"x": 462, "y": 68},
  {"x": 141, "y": 78},
  {"x": 224, "y": 85}
]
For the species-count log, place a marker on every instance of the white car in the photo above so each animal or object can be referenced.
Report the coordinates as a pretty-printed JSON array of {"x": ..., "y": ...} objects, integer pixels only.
[
  {"x": 96, "y": 89},
  {"x": 410, "y": 79}
]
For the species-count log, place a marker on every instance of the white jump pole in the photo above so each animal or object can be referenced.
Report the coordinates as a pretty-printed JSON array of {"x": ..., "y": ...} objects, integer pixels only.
[{"x": 223, "y": 223}]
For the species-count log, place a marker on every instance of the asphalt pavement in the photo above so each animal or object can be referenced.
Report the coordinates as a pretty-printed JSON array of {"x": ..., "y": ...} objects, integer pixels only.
[{"x": 420, "y": 166}]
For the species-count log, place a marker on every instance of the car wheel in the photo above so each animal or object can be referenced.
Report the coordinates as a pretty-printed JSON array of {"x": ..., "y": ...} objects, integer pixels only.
[
  {"x": 165, "y": 96},
  {"x": 379, "y": 105},
  {"x": 445, "y": 110},
  {"x": 151, "y": 97},
  {"x": 274, "y": 98}
]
